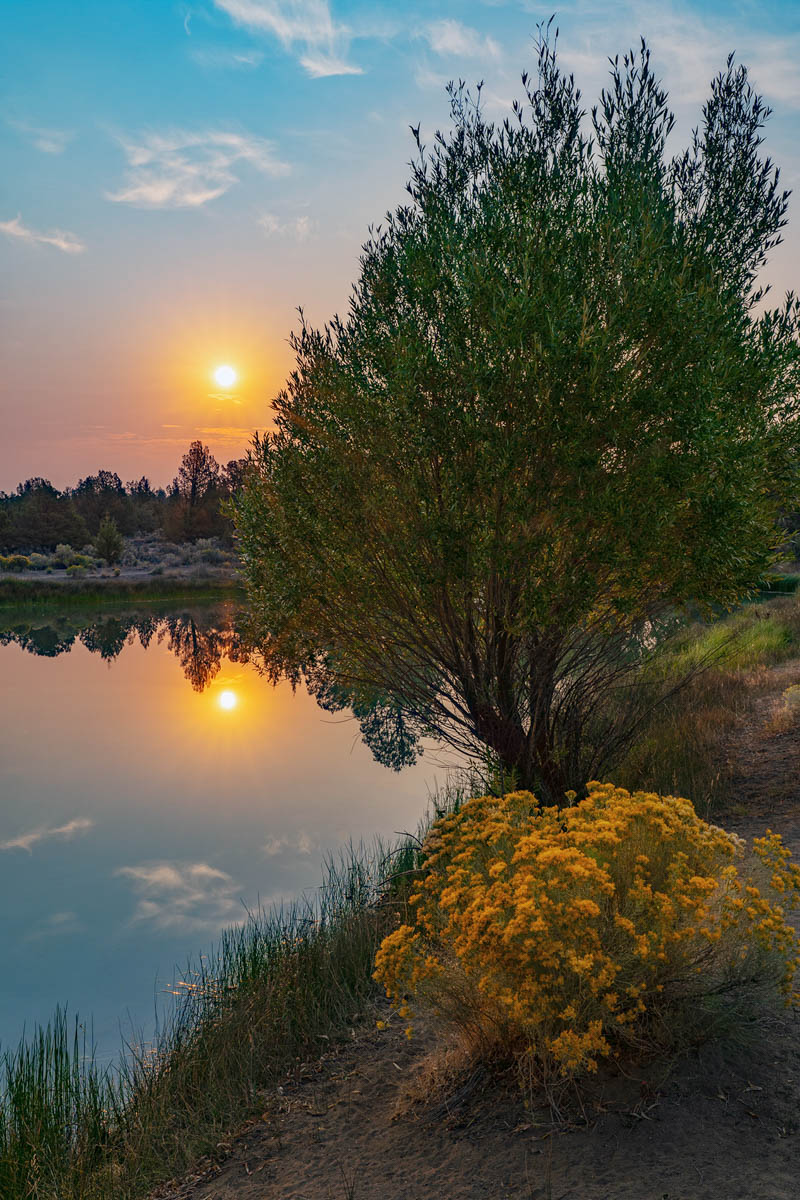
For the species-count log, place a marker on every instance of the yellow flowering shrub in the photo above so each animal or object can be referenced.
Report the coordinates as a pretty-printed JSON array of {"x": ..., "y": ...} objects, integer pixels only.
[{"x": 558, "y": 933}]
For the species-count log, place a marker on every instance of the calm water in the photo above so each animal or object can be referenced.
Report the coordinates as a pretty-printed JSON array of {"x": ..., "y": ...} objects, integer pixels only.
[{"x": 152, "y": 786}]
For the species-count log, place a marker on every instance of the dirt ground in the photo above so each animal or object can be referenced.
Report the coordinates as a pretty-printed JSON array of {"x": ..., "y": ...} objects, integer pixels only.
[{"x": 722, "y": 1123}]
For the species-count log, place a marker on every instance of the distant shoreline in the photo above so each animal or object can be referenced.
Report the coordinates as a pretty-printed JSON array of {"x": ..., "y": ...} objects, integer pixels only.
[{"x": 31, "y": 592}]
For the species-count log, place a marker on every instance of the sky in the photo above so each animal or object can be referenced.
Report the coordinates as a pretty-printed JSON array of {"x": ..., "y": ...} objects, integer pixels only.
[{"x": 177, "y": 178}]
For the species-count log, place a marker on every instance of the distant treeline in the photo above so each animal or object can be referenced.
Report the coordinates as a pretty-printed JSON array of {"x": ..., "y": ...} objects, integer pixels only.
[{"x": 37, "y": 516}]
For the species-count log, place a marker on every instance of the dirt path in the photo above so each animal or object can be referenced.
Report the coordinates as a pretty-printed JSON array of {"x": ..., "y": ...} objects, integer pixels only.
[
  {"x": 723, "y": 1127},
  {"x": 724, "y": 1124}
]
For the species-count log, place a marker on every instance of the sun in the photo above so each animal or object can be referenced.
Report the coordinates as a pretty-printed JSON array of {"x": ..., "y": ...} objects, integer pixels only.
[
  {"x": 225, "y": 376},
  {"x": 227, "y": 700}
]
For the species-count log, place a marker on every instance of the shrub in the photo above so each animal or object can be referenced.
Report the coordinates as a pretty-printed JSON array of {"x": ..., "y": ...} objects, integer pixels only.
[
  {"x": 15, "y": 562},
  {"x": 556, "y": 936},
  {"x": 63, "y": 555},
  {"x": 76, "y": 571},
  {"x": 39, "y": 562}
]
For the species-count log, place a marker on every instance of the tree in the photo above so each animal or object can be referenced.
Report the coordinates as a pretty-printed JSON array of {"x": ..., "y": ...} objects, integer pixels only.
[
  {"x": 197, "y": 475},
  {"x": 108, "y": 543},
  {"x": 102, "y": 495},
  {"x": 233, "y": 474},
  {"x": 554, "y": 412},
  {"x": 39, "y": 517},
  {"x": 196, "y": 490}
]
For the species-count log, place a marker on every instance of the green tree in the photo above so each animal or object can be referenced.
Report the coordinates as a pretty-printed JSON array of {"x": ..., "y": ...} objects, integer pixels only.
[
  {"x": 108, "y": 542},
  {"x": 194, "y": 510},
  {"x": 39, "y": 517},
  {"x": 555, "y": 410}
]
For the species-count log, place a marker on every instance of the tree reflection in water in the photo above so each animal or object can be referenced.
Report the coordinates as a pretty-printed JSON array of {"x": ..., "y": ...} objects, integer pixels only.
[{"x": 200, "y": 638}]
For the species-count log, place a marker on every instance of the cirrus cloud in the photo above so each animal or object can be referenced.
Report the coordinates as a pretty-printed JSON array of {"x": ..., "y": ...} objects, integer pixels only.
[
  {"x": 306, "y": 27},
  {"x": 49, "y": 141},
  {"x": 298, "y": 228},
  {"x": 69, "y": 243},
  {"x": 181, "y": 169},
  {"x": 450, "y": 37},
  {"x": 26, "y": 841}
]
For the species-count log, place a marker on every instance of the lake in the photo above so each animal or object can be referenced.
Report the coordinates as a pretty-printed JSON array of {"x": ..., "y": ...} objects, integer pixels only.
[{"x": 155, "y": 788}]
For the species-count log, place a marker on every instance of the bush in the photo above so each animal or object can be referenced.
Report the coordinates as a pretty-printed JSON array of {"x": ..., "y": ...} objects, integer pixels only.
[
  {"x": 76, "y": 571},
  {"x": 15, "y": 562},
  {"x": 63, "y": 555},
  {"x": 39, "y": 562},
  {"x": 554, "y": 937}
]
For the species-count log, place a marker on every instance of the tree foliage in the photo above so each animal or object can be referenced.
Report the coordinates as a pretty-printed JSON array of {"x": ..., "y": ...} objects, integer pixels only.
[
  {"x": 36, "y": 516},
  {"x": 555, "y": 410},
  {"x": 108, "y": 543}
]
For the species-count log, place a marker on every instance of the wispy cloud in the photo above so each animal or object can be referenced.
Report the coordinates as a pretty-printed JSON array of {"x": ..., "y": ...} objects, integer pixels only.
[
  {"x": 186, "y": 170},
  {"x": 688, "y": 49},
  {"x": 304, "y": 27},
  {"x": 219, "y": 58},
  {"x": 193, "y": 896},
  {"x": 222, "y": 435},
  {"x": 57, "y": 924},
  {"x": 49, "y": 141},
  {"x": 299, "y": 228},
  {"x": 300, "y": 843},
  {"x": 454, "y": 39},
  {"x": 26, "y": 841},
  {"x": 60, "y": 238}
]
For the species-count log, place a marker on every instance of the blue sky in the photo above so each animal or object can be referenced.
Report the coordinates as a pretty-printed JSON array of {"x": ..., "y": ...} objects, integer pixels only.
[{"x": 178, "y": 177}]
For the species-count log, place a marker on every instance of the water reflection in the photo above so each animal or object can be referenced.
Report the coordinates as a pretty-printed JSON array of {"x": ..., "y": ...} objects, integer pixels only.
[
  {"x": 139, "y": 816},
  {"x": 199, "y": 638}
]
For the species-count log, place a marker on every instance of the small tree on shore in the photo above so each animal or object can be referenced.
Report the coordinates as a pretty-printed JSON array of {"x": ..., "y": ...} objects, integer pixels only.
[
  {"x": 108, "y": 543},
  {"x": 554, "y": 412}
]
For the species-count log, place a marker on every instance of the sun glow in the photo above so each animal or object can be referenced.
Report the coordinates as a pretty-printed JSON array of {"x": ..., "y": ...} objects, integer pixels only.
[
  {"x": 227, "y": 700},
  {"x": 225, "y": 376}
]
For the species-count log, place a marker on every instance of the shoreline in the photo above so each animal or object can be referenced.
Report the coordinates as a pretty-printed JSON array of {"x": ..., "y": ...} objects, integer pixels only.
[{"x": 19, "y": 592}]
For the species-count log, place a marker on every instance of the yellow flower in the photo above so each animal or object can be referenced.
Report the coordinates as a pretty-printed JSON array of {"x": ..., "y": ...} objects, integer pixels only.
[{"x": 526, "y": 916}]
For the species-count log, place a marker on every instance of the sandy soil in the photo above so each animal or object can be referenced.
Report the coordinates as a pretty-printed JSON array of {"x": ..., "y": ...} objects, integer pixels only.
[{"x": 723, "y": 1123}]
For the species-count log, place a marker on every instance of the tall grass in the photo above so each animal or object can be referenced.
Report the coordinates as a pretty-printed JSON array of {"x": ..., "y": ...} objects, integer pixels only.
[
  {"x": 685, "y": 749},
  {"x": 273, "y": 992}
]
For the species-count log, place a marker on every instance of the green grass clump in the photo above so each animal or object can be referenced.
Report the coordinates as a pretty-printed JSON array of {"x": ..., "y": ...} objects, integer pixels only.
[
  {"x": 780, "y": 584},
  {"x": 77, "y": 593},
  {"x": 746, "y": 640},
  {"x": 683, "y": 749},
  {"x": 275, "y": 991}
]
